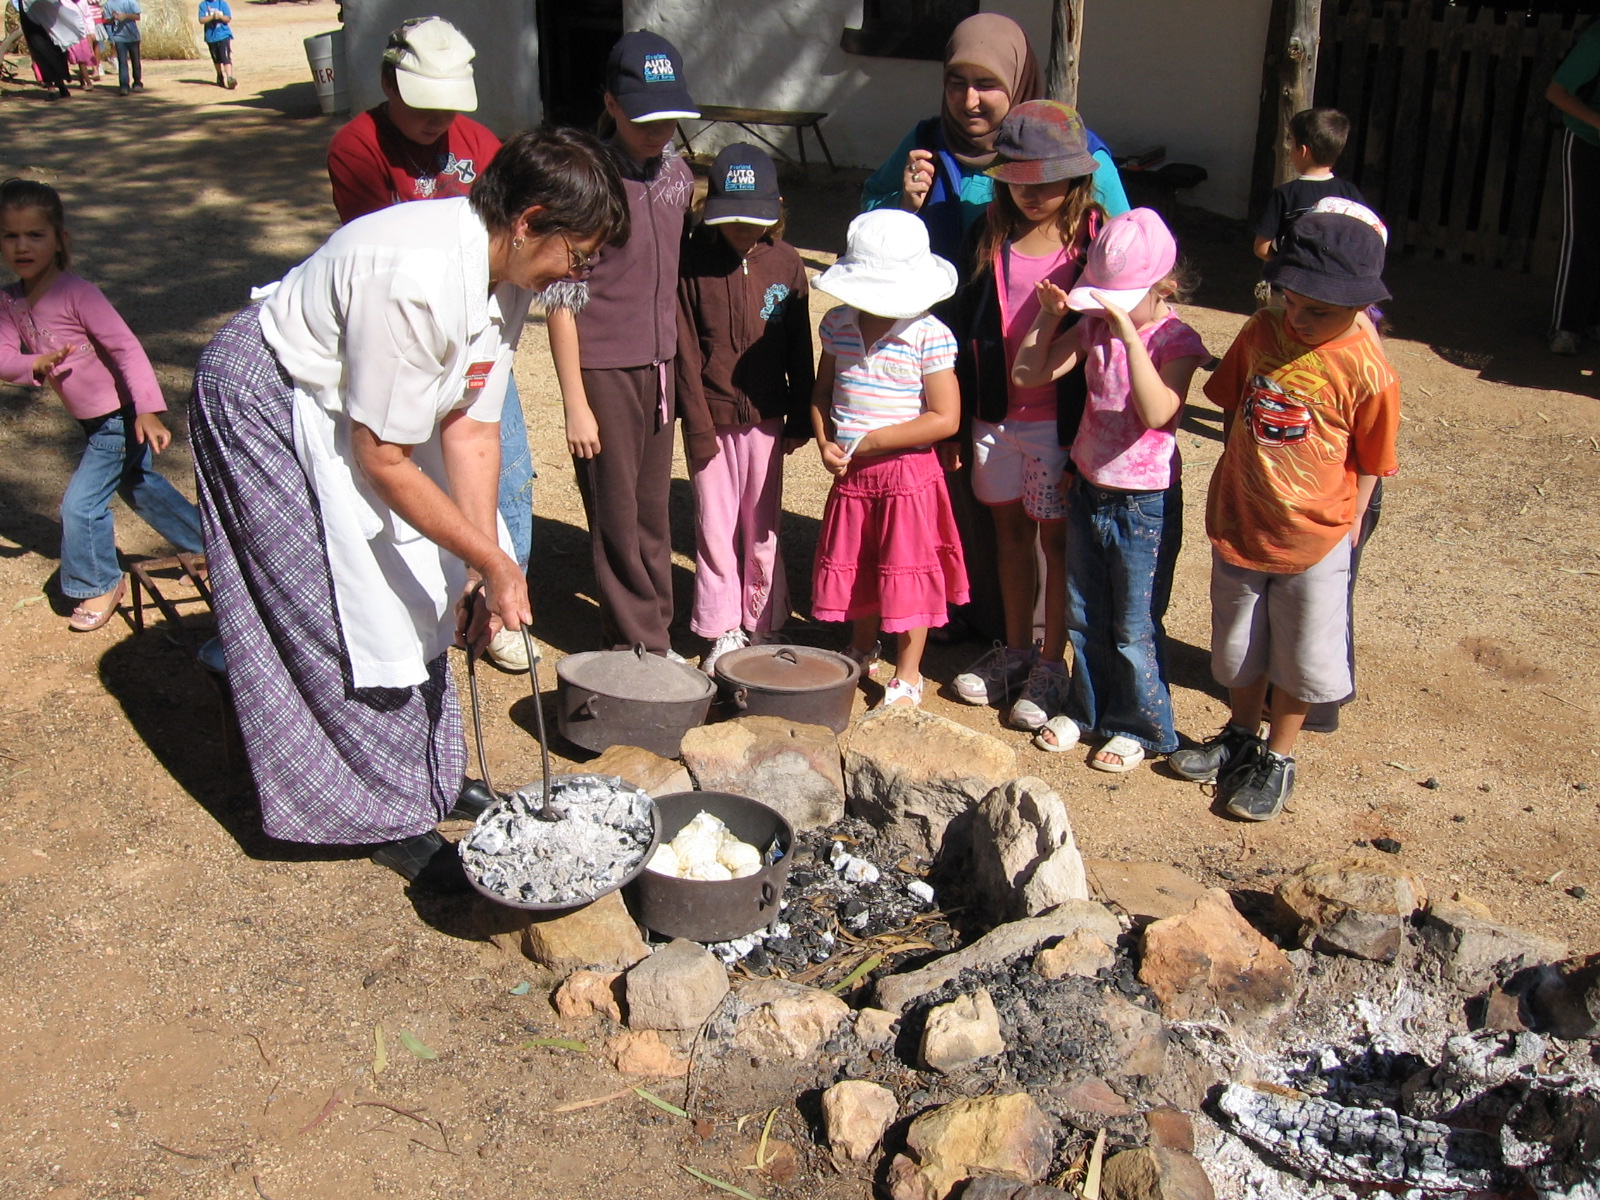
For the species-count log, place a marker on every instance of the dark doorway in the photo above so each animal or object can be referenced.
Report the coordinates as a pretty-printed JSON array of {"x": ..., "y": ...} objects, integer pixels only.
[{"x": 574, "y": 38}]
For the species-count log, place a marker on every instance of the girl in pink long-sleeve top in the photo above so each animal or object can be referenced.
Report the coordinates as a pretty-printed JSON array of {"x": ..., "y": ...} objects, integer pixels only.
[{"x": 59, "y": 329}]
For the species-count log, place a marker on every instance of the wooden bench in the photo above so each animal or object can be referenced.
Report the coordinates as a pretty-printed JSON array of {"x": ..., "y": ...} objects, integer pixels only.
[{"x": 719, "y": 114}]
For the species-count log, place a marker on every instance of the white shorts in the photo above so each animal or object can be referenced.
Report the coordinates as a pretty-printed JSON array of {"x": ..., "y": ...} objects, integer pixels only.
[{"x": 1021, "y": 460}]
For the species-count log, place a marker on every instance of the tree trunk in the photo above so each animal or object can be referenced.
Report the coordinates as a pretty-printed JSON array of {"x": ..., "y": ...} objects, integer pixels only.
[
  {"x": 1066, "y": 44},
  {"x": 1288, "y": 79}
]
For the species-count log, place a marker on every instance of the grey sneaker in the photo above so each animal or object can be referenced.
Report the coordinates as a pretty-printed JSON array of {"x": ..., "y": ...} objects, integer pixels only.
[
  {"x": 1043, "y": 695},
  {"x": 1564, "y": 342},
  {"x": 1216, "y": 755},
  {"x": 994, "y": 676},
  {"x": 733, "y": 639},
  {"x": 1258, "y": 787}
]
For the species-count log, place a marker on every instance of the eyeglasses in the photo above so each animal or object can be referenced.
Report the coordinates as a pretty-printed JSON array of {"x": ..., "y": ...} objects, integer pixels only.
[{"x": 579, "y": 264}]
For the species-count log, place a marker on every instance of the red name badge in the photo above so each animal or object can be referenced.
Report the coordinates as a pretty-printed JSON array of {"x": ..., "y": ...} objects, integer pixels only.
[{"x": 478, "y": 375}]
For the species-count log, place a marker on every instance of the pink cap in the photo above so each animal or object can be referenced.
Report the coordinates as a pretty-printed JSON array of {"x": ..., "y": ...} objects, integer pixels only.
[{"x": 1133, "y": 253}]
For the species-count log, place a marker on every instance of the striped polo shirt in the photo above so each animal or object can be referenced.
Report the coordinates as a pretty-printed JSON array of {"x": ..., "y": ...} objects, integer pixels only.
[{"x": 882, "y": 386}]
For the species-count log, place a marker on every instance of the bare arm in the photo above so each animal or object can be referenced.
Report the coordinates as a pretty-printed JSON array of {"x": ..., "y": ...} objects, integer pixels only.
[
  {"x": 1156, "y": 395},
  {"x": 939, "y": 419},
  {"x": 583, "y": 431},
  {"x": 1364, "y": 488},
  {"x": 1044, "y": 357},
  {"x": 1571, "y": 105},
  {"x": 461, "y": 522},
  {"x": 1263, "y": 248},
  {"x": 833, "y": 456}
]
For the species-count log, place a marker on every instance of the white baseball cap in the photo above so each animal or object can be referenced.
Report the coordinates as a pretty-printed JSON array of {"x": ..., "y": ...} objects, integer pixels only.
[{"x": 432, "y": 65}]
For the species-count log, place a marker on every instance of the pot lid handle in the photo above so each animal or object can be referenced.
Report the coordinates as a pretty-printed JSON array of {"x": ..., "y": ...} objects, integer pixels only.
[
  {"x": 788, "y": 655},
  {"x": 639, "y": 651}
]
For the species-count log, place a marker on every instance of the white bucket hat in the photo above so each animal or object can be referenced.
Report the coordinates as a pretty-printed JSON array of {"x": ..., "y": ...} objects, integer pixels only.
[
  {"x": 887, "y": 269},
  {"x": 432, "y": 64}
]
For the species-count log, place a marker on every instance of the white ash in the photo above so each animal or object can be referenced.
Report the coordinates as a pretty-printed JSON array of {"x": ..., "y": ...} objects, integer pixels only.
[
  {"x": 920, "y": 890},
  {"x": 602, "y": 831},
  {"x": 731, "y": 952},
  {"x": 853, "y": 869}
]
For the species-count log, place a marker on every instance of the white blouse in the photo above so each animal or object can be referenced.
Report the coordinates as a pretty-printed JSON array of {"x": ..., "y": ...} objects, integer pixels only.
[{"x": 392, "y": 324}]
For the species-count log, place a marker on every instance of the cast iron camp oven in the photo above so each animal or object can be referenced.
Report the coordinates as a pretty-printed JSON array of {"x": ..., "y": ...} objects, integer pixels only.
[
  {"x": 799, "y": 683},
  {"x": 609, "y": 698},
  {"x": 705, "y": 910}
]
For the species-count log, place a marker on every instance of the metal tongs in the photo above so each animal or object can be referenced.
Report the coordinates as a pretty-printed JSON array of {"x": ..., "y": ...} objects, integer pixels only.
[{"x": 547, "y": 811}]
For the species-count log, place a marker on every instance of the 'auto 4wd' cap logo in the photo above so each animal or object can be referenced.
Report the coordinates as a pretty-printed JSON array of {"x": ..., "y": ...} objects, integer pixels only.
[
  {"x": 741, "y": 178},
  {"x": 658, "y": 69}
]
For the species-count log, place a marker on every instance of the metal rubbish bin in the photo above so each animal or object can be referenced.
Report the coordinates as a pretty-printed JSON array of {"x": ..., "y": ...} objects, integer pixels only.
[{"x": 325, "y": 52}]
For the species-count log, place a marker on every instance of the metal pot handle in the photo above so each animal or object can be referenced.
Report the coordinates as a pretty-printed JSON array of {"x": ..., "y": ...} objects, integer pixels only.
[
  {"x": 768, "y": 893},
  {"x": 788, "y": 655},
  {"x": 639, "y": 651},
  {"x": 740, "y": 698},
  {"x": 587, "y": 708}
]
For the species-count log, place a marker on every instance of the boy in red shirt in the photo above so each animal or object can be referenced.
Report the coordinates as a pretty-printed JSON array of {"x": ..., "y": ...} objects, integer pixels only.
[{"x": 1311, "y": 408}]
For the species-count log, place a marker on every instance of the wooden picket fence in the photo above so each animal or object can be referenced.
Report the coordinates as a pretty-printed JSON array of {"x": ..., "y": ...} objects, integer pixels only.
[{"x": 1452, "y": 138}]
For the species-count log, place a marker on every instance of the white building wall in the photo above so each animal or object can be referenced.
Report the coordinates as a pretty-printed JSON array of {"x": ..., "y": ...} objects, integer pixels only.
[
  {"x": 1181, "y": 73},
  {"x": 1185, "y": 74},
  {"x": 502, "y": 32}
]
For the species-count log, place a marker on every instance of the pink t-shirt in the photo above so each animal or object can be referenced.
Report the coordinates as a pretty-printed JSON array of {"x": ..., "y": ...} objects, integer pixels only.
[
  {"x": 1113, "y": 448},
  {"x": 1015, "y": 275},
  {"x": 107, "y": 369}
]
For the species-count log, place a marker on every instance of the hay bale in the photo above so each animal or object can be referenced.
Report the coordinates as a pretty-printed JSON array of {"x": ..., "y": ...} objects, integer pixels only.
[{"x": 168, "y": 28}]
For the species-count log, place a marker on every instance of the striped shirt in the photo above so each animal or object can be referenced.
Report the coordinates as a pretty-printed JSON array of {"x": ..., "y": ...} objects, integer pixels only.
[{"x": 881, "y": 387}]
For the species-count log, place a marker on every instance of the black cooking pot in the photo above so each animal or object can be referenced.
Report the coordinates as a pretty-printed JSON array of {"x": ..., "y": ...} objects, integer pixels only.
[
  {"x": 608, "y": 698},
  {"x": 799, "y": 683},
  {"x": 706, "y": 910}
]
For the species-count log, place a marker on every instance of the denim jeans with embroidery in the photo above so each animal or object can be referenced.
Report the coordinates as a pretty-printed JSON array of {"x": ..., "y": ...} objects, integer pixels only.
[
  {"x": 1122, "y": 548},
  {"x": 515, "y": 499},
  {"x": 115, "y": 463}
]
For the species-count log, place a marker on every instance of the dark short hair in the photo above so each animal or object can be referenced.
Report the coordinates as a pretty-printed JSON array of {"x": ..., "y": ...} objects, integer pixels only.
[
  {"x": 565, "y": 172},
  {"x": 1323, "y": 131},
  {"x": 30, "y": 193}
]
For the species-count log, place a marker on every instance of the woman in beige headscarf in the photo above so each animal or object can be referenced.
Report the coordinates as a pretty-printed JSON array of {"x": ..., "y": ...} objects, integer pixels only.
[{"x": 937, "y": 171}]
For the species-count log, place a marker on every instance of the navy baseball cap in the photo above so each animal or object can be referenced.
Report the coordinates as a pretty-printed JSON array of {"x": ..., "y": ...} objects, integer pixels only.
[
  {"x": 742, "y": 186},
  {"x": 1334, "y": 257},
  {"x": 645, "y": 74}
]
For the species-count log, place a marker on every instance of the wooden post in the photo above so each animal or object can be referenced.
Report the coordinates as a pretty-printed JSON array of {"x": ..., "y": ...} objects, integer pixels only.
[
  {"x": 1066, "y": 44},
  {"x": 1288, "y": 79}
]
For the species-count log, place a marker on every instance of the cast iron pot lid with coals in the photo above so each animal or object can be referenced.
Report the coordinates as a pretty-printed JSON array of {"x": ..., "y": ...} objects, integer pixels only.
[
  {"x": 634, "y": 675},
  {"x": 786, "y": 668}
]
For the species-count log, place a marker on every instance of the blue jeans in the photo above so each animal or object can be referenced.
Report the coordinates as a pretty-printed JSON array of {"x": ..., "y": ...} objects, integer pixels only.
[
  {"x": 128, "y": 53},
  {"x": 516, "y": 476},
  {"x": 1122, "y": 548},
  {"x": 115, "y": 463}
]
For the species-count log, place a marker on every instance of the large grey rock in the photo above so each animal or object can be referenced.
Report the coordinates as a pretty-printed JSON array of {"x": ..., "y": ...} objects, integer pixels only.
[
  {"x": 638, "y": 766},
  {"x": 1478, "y": 951},
  {"x": 1005, "y": 1136},
  {"x": 677, "y": 987},
  {"x": 910, "y": 773},
  {"x": 1356, "y": 906},
  {"x": 785, "y": 1020},
  {"x": 1151, "y": 1173},
  {"x": 792, "y": 768},
  {"x": 856, "y": 1113},
  {"x": 894, "y": 992},
  {"x": 961, "y": 1032},
  {"x": 1024, "y": 857},
  {"x": 1211, "y": 960}
]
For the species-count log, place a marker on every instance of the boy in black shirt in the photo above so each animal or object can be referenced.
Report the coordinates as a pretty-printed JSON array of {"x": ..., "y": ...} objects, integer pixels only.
[{"x": 1319, "y": 137}]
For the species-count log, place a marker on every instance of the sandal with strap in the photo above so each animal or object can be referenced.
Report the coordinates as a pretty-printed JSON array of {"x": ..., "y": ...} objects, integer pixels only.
[
  {"x": 900, "y": 694},
  {"x": 1127, "y": 751},
  {"x": 87, "y": 620},
  {"x": 1058, "y": 735}
]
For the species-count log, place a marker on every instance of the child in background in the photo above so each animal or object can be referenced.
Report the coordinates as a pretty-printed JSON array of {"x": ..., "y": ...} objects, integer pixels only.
[
  {"x": 1125, "y": 518},
  {"x": 1038, "y": 228},
  {"x": 888, "y": 555},
  {"x": 613, "y": 339},
  {"x": 1319, "y": 136},
  {"x": 84, "y": 55},
  {"x": 744, "y": 379},
  {"x": 1311, "y": 409},
  {"x": 217, "y": 18},
  {"x": 122, "y": 27},
  {"x": 58, "y": 329}
]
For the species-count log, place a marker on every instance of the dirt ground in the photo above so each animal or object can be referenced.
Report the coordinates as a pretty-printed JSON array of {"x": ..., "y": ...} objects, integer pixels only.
[{"x": 188, "y": 1009}]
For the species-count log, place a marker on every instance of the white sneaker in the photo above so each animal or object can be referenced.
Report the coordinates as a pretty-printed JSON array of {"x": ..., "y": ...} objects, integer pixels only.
[
  {"x": 508, "y": 651},
  {"x": 734, "y": 639},
  {"x": 994, "y": 676},
  {"x": 1043, "y": 696}
]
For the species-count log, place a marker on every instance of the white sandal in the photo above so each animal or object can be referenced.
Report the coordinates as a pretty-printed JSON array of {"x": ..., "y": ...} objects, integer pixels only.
[
  {"x": 899, "y": 690},
  {"x": 1124, "y": 748},
  {"x": 1064, "y": 731}
]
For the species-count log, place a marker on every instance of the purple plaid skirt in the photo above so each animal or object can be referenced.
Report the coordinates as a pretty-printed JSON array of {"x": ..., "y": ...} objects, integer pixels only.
[{"x": 332, "y": 763}]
